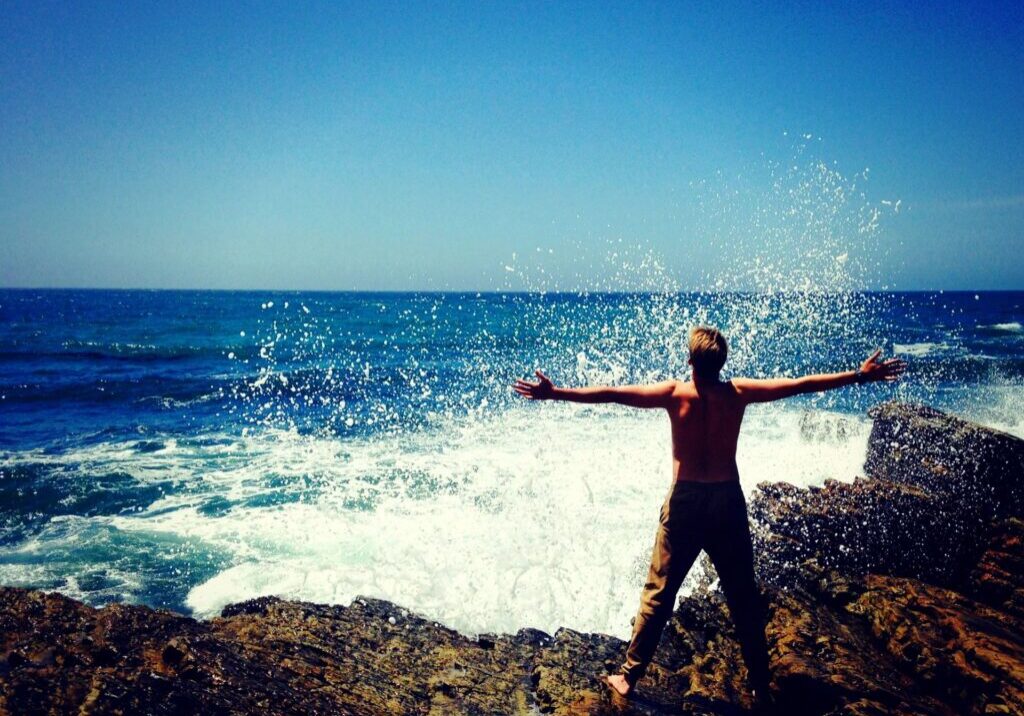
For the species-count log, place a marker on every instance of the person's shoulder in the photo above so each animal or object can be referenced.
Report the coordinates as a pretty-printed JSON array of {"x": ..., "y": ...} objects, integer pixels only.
[
  {"x": 684, "y": 389},
  {"x": 732, "y": 388},
  {"x": 746, "y": 389}
]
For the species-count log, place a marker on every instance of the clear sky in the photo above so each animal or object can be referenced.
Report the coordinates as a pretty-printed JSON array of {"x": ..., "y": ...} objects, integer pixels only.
[{"x": 408, "y": 145}]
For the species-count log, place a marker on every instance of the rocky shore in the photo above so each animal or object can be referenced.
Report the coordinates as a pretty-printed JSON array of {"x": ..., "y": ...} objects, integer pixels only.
[{"x": 899, "y": 593}]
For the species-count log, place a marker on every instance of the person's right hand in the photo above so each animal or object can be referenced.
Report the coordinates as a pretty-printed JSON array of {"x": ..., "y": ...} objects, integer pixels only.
[
  {"x": 541, "y": 390},
  {"x": 874, "y": 369}
]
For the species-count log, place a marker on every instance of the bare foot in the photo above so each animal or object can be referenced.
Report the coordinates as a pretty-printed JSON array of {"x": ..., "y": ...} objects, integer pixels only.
[{"x": 618, "y": 684}]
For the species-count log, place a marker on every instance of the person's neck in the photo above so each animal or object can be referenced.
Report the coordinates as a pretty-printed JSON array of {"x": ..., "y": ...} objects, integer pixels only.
[{"x": 702, "y": 381}]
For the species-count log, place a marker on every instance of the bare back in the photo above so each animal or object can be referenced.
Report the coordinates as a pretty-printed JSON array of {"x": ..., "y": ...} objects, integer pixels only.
[{"x": 706, "y": 420}]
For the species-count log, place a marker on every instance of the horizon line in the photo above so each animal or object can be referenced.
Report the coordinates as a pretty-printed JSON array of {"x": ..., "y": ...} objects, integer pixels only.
[{"x": 498, "y": 291}]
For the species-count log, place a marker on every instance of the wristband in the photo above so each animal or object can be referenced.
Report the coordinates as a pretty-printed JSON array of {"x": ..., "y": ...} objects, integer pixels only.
[{"x": 859, "y": 377}]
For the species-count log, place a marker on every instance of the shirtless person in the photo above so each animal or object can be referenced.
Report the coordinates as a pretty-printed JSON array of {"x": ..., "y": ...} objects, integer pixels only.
[{"x": 705, "y": 508}]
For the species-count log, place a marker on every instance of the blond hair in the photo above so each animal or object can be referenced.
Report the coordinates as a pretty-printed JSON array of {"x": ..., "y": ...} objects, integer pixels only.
[{"x": 708, "y": 351}]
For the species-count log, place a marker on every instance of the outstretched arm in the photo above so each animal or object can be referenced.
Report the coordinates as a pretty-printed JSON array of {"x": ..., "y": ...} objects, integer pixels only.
[
  {"x": 654, "y": 395},
  {"x": 872, "y": 370}
]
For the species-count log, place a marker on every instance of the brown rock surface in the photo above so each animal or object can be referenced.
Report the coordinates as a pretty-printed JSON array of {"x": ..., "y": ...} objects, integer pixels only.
[
  {"x": 824, "y": 661},
  {"x": 275, "y": 656},
  {"x": 998, "y": 577},
  {"x": 901, "y": 593},
  {"x": 968, "y": 653}
]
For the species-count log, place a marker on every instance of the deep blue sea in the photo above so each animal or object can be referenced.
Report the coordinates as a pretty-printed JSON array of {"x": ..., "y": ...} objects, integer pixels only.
[{"x": 189, "y": 449}]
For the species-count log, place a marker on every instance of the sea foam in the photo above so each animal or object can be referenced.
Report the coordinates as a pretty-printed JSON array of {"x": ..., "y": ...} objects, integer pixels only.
[
  {"x": 918, "y": 350},
  {"x": 1010, "y": 327},
  {"x": 543, "y": 518}
]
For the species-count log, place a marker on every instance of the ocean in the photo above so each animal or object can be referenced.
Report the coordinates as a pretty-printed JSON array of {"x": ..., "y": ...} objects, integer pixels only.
[{"x": 188, "y": 449}]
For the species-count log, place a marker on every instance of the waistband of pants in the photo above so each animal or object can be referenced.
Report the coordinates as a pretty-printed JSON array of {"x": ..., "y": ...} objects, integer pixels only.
[{"x": 691, "y": 485}]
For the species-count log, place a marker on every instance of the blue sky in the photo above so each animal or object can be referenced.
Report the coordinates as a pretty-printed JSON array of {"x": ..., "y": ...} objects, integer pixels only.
[{"x": 408, "y": 145}]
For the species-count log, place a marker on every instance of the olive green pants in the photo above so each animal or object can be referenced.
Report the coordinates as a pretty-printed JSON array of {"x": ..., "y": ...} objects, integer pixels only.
[{"x": 712, "y": 517}]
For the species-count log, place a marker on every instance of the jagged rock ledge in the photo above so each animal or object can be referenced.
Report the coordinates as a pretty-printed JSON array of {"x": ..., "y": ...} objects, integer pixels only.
[{"x": 899, "y": 593}]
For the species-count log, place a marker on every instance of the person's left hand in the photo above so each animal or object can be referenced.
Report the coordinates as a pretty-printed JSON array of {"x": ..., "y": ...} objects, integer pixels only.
[{"x": 874, "y": 369}]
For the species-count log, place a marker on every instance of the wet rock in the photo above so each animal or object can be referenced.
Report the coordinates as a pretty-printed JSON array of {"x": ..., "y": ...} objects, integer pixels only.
[
  {"x": 937, "y": 485},
  {"x": 946, "y": 455},
  {"x": 860, "y": 527}
]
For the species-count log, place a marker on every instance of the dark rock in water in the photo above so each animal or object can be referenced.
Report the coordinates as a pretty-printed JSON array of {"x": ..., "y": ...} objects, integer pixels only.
[
  {"x": 938, "y": 483},
  {"x": 983, "y": 469},
  {"x": 900, "y": 593},
  {"x": 859, "y": 527}
]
